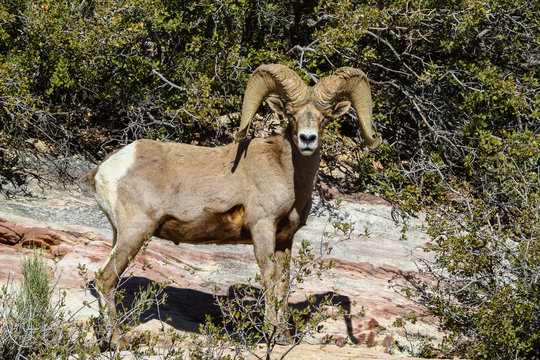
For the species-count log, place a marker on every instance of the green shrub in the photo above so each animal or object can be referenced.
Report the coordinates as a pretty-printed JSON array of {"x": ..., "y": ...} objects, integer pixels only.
[
  {"x": 33, "y": 320},
  {"x": 35, "y": 323},
  {"x": 487, "y": 253},
  {"x": 36, "y": 288},
  {"x": 83, "y": 78}
]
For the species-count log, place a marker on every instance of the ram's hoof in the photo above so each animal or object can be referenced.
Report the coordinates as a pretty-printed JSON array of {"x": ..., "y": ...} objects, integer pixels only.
[
  {"x": 105, "y": 340},
  {"x": 284, "y": 338}
]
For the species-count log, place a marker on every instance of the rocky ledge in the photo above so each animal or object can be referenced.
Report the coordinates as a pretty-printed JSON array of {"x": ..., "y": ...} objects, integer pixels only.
[{"x": 368, "y": 273}]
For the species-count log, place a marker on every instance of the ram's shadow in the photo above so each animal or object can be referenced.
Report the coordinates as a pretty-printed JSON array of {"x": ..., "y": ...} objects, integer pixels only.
[{"x": 186, "y": 309}]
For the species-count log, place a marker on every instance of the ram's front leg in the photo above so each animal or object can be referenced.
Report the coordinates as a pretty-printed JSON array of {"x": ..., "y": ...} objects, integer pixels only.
[
  {"x": 282, "y": 252},
  {"x": 281, "y": 278},
  {"x": 264, "y": 246}
]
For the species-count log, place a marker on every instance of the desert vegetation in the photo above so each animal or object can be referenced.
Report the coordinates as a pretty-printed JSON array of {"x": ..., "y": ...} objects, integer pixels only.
[
  {"x": 35, "y": 322},
  {"x": 456, "y": 100}
]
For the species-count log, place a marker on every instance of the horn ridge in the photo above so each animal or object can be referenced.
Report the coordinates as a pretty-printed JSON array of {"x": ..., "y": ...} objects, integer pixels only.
[
  {"x": 353, "y": 84},
  {"x": 270, "y": 79},
  {"x": 339, "y": 84}
]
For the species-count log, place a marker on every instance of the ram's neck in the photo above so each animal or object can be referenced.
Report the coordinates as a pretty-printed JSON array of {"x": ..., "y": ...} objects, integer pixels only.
[{"x": 305, "y": 168}]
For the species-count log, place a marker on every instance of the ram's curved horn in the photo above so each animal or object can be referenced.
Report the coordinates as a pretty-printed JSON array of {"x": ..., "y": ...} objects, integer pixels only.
[
  {"x": 266, "y": 80},
  {"x": 352, "y": 84}
]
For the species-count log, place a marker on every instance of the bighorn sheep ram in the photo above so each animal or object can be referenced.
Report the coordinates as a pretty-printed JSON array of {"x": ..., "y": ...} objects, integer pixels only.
[{"x": 254, "y": 192}]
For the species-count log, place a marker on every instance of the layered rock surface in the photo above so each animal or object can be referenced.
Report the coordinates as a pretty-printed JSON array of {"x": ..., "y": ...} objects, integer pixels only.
[{"x": 368, "y": 271}]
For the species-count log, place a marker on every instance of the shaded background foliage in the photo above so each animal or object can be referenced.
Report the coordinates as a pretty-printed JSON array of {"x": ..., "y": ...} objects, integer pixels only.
[
  {"x": 79, "y": 76},
  {"x": 456, "y": 95}
]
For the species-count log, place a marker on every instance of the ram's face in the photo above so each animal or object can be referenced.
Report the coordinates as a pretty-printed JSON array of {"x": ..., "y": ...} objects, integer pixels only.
[{"x": 308, "y": 121}]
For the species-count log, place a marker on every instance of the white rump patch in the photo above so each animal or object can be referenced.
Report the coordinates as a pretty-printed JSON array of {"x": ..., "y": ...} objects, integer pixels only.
[{"x": 107, "y": 177}]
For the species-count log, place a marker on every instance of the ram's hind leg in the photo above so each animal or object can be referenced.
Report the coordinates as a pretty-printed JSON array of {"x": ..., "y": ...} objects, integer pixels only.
[{"x": 128, "y": 240}]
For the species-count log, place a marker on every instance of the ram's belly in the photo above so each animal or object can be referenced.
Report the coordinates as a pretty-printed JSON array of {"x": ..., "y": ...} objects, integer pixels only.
[{"x": 209, "y": 228}]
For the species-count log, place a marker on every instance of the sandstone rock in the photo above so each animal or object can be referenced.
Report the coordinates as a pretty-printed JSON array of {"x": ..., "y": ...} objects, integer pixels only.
[
  {"x": 61, "y": 249},
  {"x": 330, "y": 192},
  {"x": 10, "y": 232},
  {"x": 45, "y": 238},
  {"x": 8, "y": 236}
]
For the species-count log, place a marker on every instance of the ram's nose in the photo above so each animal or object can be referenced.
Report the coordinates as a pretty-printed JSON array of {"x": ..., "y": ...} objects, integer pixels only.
[{"x": 307, "y": 141}]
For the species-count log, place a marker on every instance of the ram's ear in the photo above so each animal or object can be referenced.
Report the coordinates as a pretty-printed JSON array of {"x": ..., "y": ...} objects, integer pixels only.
[
  {"x": 276, "y": 105},
  {"x": 340, "y": 108}
]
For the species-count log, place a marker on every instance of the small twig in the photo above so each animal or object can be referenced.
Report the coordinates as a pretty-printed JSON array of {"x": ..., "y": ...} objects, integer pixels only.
[
  {"x": 384, "y": 42},
  {"x": 167, "y": 81},
  {"x": 462, "y": 84}
]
